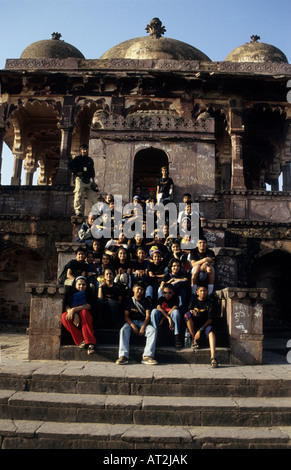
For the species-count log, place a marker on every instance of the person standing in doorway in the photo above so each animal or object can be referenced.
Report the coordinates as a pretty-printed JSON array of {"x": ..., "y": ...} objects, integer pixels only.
[{"x": 165, "y": 187}]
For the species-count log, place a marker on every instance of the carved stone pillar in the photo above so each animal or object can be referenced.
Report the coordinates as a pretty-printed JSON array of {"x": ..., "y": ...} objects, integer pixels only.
[
  {"x": 287, "y": 176},
  {"x": 63, "y": 176},
  {"x": 237, "y": 176},
  {"x": 17, "y": 168},
  {"x": 46, "y": 307},
  {"x": 19, "y": 154},
  {"x": 30, "y": 165}
]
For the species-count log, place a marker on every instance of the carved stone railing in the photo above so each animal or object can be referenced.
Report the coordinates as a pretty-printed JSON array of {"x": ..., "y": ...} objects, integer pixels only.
[{"x": 152, "y": 121}]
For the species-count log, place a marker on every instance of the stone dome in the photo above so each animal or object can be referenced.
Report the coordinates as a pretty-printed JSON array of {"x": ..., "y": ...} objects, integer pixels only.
[
  {"x": 255, "y": 51},
  {"x": 155, "y": 47},
  {"x": 51, "y": 49}
]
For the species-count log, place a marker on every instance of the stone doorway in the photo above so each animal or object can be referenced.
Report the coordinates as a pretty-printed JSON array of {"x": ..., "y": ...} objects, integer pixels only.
[
  {"x": 272, "y": 271},
  {"x": 147, "y": 166}
]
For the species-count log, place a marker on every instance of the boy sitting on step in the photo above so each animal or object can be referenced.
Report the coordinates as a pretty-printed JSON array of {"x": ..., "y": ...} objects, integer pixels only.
[{"x": 199, "y": 320}]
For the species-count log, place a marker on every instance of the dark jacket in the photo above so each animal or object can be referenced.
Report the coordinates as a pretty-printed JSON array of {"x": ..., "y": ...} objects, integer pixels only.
[{"x": 82, "y": 164}]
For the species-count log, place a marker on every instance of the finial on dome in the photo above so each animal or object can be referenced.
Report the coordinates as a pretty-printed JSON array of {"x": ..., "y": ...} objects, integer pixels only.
[
  {"x": 56, "y": 36},
  {"x": 255, "y": 38},
  {"x": 155, "y": 28}
]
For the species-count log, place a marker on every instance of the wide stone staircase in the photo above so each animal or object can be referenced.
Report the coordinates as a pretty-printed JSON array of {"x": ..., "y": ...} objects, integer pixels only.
[{"x": 96, "y": 405}]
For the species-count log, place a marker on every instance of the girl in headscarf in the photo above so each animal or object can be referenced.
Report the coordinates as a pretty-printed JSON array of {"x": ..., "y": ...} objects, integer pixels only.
[{"x": 77, "y": 318}]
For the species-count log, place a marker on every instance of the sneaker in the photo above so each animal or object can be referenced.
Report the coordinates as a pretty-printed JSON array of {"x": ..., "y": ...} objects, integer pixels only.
[
  {"x": 149, "y": 360},
  {"x": 122, "y": 360}
]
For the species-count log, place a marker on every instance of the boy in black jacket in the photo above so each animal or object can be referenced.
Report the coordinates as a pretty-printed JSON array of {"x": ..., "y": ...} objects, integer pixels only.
[{"x": 82, "y": 167}]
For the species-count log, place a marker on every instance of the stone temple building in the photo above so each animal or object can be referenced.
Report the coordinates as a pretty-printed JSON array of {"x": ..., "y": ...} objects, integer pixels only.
[{"x": 223, "y": 129}]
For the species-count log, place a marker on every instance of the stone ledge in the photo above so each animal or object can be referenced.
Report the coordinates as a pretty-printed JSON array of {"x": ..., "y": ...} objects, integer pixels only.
[
  {"x": 240, "y": 293},
  {"x": 227, "y": 251},
  {"x": 44, "y": 288},
  {"x": 67, "y": 247}
]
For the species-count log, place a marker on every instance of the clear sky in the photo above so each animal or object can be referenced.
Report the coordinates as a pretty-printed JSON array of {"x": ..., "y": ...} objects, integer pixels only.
[{"x": 215, "y": 27}]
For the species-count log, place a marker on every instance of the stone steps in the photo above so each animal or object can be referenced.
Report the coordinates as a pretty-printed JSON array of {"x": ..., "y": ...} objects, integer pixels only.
[
  {"x": 142, "y": 410},
  {"x": 148, "y": 439},
  {"x": 137, "y": 379},
  {"x": 104, "y": 406}
]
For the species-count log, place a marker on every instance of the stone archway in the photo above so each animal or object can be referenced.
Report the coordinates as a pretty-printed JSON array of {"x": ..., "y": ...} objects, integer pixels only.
[{"x": 147, "y": 166}]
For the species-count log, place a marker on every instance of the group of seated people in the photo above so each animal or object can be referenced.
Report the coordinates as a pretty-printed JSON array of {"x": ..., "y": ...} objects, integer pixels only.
[{"x": 136, "y": 285}]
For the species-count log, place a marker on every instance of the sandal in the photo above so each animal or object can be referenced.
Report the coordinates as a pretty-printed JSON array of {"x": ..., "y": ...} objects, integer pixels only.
[
  {"x": 213, "y": 362},
  {"x": 195, "y": 345},
  {"x": 91, "y": 349},
  {"x": 82, "y": 345}
]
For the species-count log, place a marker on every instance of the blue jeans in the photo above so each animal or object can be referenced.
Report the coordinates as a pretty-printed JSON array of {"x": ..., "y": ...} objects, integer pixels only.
[
  {"x": 156, "y": 316},
  {"x": 124, "y": 337}
]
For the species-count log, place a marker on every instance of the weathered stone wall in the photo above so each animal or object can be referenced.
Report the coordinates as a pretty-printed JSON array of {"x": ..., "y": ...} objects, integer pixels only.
[
  {"x": 27, "y": 254},
  {"x": 36, "y": 201},
  {"x": 255, "y": 206},
  {"x": 191, "y": 166}
]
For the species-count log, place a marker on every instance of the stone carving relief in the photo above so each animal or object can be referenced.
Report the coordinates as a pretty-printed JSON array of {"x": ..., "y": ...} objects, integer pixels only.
[
  {"x": 252, "y": 67},
  {"x": 159, "y": 121}
]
